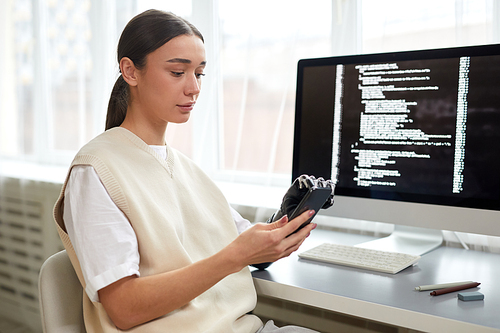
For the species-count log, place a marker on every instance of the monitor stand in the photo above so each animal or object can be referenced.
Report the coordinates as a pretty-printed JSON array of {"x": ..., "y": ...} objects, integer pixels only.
[{"x": 410, "y": 240}]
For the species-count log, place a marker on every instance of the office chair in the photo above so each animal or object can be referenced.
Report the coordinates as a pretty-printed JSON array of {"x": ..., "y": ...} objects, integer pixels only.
[{"x": 60, "y": 295}]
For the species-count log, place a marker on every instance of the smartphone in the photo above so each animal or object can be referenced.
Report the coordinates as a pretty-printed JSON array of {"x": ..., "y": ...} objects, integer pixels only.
[{"x": 314, "y": 199}]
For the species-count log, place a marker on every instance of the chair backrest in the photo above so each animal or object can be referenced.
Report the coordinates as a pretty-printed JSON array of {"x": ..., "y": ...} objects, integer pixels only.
[{"x": 60, "y": 294}]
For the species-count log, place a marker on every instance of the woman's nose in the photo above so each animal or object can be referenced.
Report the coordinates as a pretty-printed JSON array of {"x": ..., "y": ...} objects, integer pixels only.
[{"x": 193, "y": 86}]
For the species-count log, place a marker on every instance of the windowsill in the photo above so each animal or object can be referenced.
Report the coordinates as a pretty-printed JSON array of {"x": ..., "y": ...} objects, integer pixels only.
[
  {"x": 252, "y": 195},
  {"x": 33, "y": 171}
]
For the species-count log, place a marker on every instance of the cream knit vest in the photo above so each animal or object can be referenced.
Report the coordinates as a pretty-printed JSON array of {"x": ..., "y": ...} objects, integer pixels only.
[{"x": 179, "y": 216}]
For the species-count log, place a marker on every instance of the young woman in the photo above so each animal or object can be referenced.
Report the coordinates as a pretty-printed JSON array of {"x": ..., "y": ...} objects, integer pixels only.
[{"x": 152, "y": 239}]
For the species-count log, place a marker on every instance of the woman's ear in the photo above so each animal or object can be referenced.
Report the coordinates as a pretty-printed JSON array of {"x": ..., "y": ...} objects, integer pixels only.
[{"x": 128, "y": 70}]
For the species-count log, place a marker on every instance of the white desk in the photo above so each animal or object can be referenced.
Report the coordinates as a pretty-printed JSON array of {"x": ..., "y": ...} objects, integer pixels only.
[{"x": 391, "y": 298}]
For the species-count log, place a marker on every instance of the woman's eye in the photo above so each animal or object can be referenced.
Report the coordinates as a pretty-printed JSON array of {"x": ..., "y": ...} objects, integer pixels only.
[{"x": 178, "y": 74}]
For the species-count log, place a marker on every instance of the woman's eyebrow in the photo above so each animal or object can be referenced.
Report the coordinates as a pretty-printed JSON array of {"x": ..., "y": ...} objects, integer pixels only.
[{"x": 184, "y": 61}]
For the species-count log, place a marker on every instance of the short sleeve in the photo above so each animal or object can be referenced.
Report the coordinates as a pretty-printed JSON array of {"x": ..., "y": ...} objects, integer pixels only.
[{"x": 104, "y": 241}]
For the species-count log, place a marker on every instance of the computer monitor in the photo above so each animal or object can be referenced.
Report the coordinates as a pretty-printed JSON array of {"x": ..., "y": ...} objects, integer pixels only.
[{"x": 409, "y": 138}]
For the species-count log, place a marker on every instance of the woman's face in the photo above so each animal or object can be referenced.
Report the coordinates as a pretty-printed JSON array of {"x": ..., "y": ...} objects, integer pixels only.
[{"x": 169, "y": 85}]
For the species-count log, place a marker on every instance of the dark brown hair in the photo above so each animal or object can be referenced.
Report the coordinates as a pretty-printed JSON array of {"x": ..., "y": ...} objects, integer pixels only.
[{"x": 144, "y": 34}]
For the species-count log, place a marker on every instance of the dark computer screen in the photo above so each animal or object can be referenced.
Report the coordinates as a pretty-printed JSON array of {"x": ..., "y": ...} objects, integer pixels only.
[{"x": 419, "y": 126}]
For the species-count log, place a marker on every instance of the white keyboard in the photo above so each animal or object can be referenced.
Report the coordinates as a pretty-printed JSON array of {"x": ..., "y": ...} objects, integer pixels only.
[{"x": 374, "y": 260}]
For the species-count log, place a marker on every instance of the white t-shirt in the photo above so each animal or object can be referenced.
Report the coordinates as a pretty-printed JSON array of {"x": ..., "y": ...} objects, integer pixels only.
[{"x": 103, "y": 239}]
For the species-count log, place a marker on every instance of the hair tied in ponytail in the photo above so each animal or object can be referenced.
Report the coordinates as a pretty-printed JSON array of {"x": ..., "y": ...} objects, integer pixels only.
[{"x": 118, "y": 103}]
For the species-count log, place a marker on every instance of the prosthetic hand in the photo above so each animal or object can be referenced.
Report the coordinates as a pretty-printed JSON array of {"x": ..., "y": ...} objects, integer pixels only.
[
  {"x": 292, "y": 198},
  {"x": 296, "y": 192}
]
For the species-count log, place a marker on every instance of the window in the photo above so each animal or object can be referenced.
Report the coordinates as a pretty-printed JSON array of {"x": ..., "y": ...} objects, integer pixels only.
[
  {"x": 54, "y": 92},
  {"x": 59, "y": 67},
  {"x": 259, "y": 54},
  {"x": 391, "y": 25}
]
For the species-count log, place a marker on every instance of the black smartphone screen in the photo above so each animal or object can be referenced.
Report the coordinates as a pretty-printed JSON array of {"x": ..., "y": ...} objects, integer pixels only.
[{"x": 314, "y": 199}]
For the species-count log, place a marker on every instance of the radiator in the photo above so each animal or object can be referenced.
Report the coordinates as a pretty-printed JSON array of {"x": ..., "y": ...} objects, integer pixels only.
[{"x": 27, "y": 237}]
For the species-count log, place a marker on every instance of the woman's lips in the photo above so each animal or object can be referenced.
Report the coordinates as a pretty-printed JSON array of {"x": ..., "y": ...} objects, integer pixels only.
[{"x": 188, "y": 107}]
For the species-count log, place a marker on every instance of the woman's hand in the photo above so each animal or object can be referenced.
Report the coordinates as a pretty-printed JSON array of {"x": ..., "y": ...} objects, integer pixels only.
[{"x": 270, "y": 242}]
